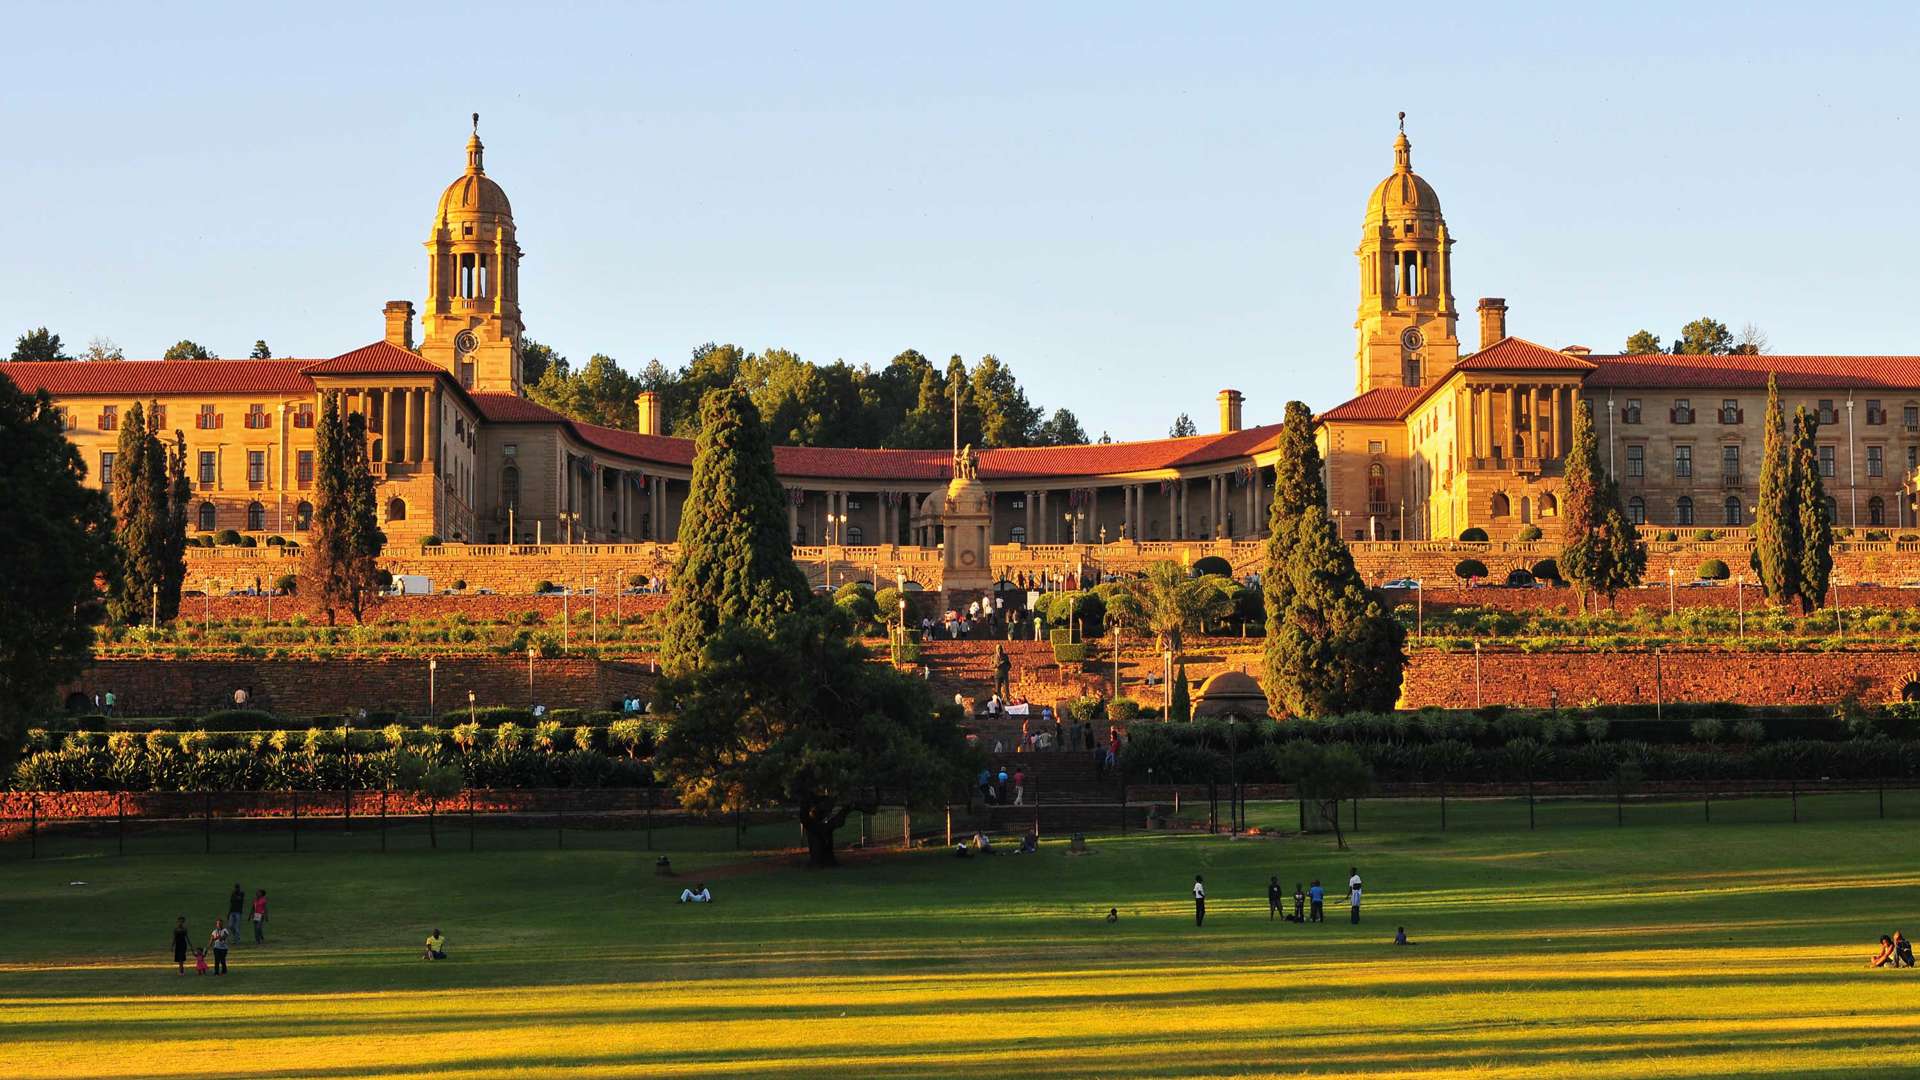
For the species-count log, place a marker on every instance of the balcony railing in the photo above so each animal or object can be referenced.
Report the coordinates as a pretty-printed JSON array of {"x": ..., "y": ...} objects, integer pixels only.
[
  {"x": 1733, "y": 416},
  {"x": 1680, "y": 416},
  {"x": 1630, "y": 416},
  {"x": 1729, "y": 481},
  {"x": 1876, "y": 416}
]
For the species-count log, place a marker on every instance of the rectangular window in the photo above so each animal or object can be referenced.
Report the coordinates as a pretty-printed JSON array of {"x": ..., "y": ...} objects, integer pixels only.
[
  {"x": 1826, "y": 461},
  {"x": 1910, "y": 416},
  {"x": 1636, "y": 461},
  {"x": 106, "y": 470},
  {"x": 1632, "y": 411},
  {"x": 159, "y": 418},
  {"x": 1682, "y": 411},
  {"x": 256, "y": 416},
  {"x": 304, "y": 468},
  {"x": 1875, "y": 414},
  {"x": 209, "y": 468},
  {"x": 1682, "y": 461},
  {"x": 208, "y": 418},
  {"x": 256, "y": 468},
  {"x": 1913, "y": 458},
  {"x": 1875, "y": 466},
  {"x": 109, "y": 418},
  {"x": 1827, "y": 413},
  {"x": 1730, "y": 461},
  {"x": 1375, "y": 446},
  {"x": 303, "y": 415}
]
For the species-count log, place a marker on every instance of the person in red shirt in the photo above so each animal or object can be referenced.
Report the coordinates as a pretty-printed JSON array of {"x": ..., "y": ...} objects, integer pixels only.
[
  {"x": 1019, "y": 787},
  {"x": 260, "y": 917}
]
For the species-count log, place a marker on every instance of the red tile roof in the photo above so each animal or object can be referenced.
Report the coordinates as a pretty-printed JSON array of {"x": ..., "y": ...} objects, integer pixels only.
[
  {"x": 1518, "y": 354},
  {"x": 1383, "y": 403},
  {"x": 1662, "y": 371},
  {"x": 832, "y": 463},
  {"x": 379, "y": 358},
  {"x": 132, "y": 378}
]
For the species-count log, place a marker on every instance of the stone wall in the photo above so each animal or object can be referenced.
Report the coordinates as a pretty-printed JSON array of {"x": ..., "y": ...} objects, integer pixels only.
[
  {"x": 331, "y": 687},
  {"x": 1652, "y": 598},
  {"x": 498, "y": 608},
  {"x": 1576, "y": 677}
]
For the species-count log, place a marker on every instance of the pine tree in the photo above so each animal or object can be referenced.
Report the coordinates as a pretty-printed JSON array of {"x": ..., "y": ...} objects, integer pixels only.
[
  {"x": 340, "y": 567},
  {"x": 1813, "y": 519},
  {"x": 173, "y": 551},
  {"x": 1776, "y": 522},
  {"x": 1335, "y": 649},
  {"x": 1600, "y": 549},
  {"x": 736, "y": 561},
  {"x": 1297, "y": 485},
  {"x": 1180, "y": 699}
]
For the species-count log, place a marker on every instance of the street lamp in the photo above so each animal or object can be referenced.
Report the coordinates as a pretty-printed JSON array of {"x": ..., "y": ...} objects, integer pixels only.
[
  {"x": 433, "y": 674},
  {"x": 1233, "y": 782},
  {"x": 156, "y": 609},
  {"x": 835, "y": 522},
  {"x": 1670, "y": 603},
  {"x": 532, "y": 651},
  {"x": 470, "y": 708}
]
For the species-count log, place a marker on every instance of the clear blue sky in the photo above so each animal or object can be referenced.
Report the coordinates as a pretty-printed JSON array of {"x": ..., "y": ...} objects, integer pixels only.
[{"x": 1132, "y": 205}]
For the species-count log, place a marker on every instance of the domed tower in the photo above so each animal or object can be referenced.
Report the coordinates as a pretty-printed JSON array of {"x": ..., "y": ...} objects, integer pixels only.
[
  {"x": 1407, "y": 316},
  {"x": 472, "y": 323}
]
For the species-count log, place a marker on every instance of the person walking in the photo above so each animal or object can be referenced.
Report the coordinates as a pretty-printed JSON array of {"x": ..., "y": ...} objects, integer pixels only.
[
  {"x": 1353, "y": 900},
  {"x": 1273, "y": 896},
  {"x": 1199, "y": 901},
  {"x": 260, "y": 917},
  {"x": 236, "y": 903},
  {"x": 218, "y": 942},
  {"x": 1058, "y": 731},
  {"x": 1317, "y": 897},
  {"x": 111, "y": 701},
  {"x": 1002, "y": 667},
  {"x": 1019, "y": 787},
  {"x": 180, "y": 944}
]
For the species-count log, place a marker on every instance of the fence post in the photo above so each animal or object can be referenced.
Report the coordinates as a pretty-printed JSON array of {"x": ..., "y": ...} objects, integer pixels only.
[
  {"x": 470, "y": 820},
  {"x": 906, "y": 828},
  {"x": 120, "y": 813},
  {"x": 296, "y": 819},
  {"x": 950, "y": 824},
  {"x": 33, "y": 825},
  {"x": 383, "y": 819},
  {"x": 207, "y": 821}
]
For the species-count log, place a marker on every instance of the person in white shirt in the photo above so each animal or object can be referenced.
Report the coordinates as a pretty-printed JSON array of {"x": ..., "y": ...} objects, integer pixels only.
[
  {"x": 1353, "y": 899},
  {"x": 1199, "y": 900},
  {"x": 697, "y": 895},
  {"x": 1353, "y": 877}
]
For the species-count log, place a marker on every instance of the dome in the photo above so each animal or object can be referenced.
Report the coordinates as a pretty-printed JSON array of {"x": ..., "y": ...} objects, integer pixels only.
[
  {"x": 1230, "y": 692},
  {"x": 473, "y": 194},
  {"x": 1403, "y": 193},
  {"x": 966, "y": 495}
]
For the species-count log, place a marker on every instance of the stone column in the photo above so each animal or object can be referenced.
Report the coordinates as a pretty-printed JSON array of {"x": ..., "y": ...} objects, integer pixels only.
[
  {"x": 1173, "y": 509},
  {"x": 433, "y": 432},
  {"x": 1046, "y": 522}
]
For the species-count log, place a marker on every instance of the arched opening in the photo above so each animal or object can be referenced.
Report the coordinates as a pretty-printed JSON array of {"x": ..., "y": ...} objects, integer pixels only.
[
  {"x": 1017, "y": 534},
  {"x": 303, "y": 516},
  {"x": 1376, "y": 488},
  {"x": 1733, "y": 510},
  {"x": 856, "y": 535},
  {"x": 1683, "y": 510},
  {"x": 396, "y": 510},
  {"x": 207, "y": 517},
  {"x": 1876, "y": 511},
  {"x": 1549, "y": 505},
  {"x": 1637, "y": 510},
  {"x": 256, "y": 517},
  {"x": 1498, "y": 505},
  {"x": 1526, "y": 510}
]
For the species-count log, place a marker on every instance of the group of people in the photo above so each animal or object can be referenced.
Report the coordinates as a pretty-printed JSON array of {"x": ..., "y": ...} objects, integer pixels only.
[
  {"x": 983, "y": 845},
  {"x": 212, "y": 957},
  {"x": 1894, "y": 951},
  {"x": 1309, "y": 903},
  {"x": 994, "y": 786}
]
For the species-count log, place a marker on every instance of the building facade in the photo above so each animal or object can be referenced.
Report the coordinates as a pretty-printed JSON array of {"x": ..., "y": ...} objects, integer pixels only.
[{"x": 1436, "y": 441}]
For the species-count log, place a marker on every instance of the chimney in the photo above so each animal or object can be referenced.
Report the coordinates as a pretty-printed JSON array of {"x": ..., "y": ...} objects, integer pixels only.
[
  {"x": 1230, "y": 401},
  {"x": 400, "y": 323},
  {"x": 1493, "y": 320},
  {"x": 647, "y": 403}
]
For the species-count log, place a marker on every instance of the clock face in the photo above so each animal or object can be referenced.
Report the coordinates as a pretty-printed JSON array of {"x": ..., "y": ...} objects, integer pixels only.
[
  {"x": 1411, "y": 338},
  {"x": 465, "y": 342}
]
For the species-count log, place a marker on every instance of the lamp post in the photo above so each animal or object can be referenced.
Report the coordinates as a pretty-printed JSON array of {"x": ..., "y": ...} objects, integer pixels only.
[
  {"x": 433, "y": 675},
  {"x": 470, "y": 708},
  {"x": 835, "y": 522},
  {"x": 1670, "y": 601},
  {"x": 1233, "y": 783},
  {"x": 532, "y": 651},
  {"x": 156, "y": 609}
]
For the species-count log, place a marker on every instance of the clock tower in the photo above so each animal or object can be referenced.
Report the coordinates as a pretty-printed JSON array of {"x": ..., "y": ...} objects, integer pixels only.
[
  {"x": 472, "y": 323},
  {"x": 1407, "y": 314}
]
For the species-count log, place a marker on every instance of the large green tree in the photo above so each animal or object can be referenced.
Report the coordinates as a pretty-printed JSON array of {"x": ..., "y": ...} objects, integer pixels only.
[
  {"x": 340, "y": 563},
  {"x": 736, "y": 562},
  {"x": 150, "y": 532},
  {"x": 1600, "y": 550},
  {"x": 1298, "y": 483},
  {"x": 1776, "y": 520},
  {"x": 1168, "y": 602},
  {"x": 38, "y": 345},
  {"x": 1814, "y": 517},
  {"x": 188, "y": 350},
  {"x": 1704, "y": 337},
  {"x": 260, "y": 351},
  {"x": 1061, "y": 429},
  {"x": 1334, "y": 649},
  {"x": 794, "y": 713},
  {"x": 1183, "y": 426},
  {"x": 1644, "y": 343},
  {"x": 57, "y": 544}
]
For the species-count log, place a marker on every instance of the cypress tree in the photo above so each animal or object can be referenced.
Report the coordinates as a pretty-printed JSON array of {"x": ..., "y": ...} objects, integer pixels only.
[
  {"x": 1180, "y": 698},
  {"x": 340, "y": 567},
  {"x": 179, "y": 498},
  {"x": 1776, "y": 522},
  {"x": 1813, "y": 521},
  {"x": 1600, "y": 548},
  {"x": 736, "y": 560},
  {"x": 130, "y": 590},
  {"x": 1335, "y": 649},
  {"x": 1297, "y": 485}
]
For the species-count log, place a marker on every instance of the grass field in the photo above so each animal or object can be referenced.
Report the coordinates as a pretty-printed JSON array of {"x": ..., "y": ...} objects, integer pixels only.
[{"x": 1731, "y": 949}]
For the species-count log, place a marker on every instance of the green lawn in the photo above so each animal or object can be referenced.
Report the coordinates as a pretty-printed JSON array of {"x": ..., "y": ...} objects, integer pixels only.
[{"x": 1582, "y": 949}]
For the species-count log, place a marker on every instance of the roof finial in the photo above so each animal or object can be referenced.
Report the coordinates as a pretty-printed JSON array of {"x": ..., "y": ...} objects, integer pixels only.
[
  {"x": 474, "y": 149},
  {"x": 476, "y": 122},
  {"x": 1402, "y": 149},
  {"x": 1403, "y": 122}
]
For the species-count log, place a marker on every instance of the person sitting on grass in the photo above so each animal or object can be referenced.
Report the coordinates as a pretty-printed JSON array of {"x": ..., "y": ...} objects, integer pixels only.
[
  {"x": 1884, "y": 955},
  {"x": 696, "y": 895},
  {"x": 1029, "y": 844},
  {"x": 960, "y": 851},
  {"x": 1400, "y": 937},
  {"x": 436, "y": 946},
  {"x": 1902, "y": 951},
  {"x": 983, "y": 843},
  {"x": 1113, "y": 914}
]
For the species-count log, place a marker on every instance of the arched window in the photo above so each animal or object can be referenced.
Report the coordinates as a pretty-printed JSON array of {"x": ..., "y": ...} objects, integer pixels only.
[
  {"x": 510, "y": 487},
  {"x": 1637, "y": 510},
  {"x": 1017, "y": 534},
  {"x": 207, "y": 516},
  {"x": 856, "y": 535},
  {"x": 1683, "y": 510},
  {"x": 1833, "y": 509},
  {"x": 1733, "y": 510},
  {"x": 396, "y": 510},
  {"x": 800, "y": 535},
  {"x": 256, "y": 517},
  {"x": 1498, "y": 505},
  {"x": 1876, "y": 511},
  {"x": 303, "y": 516},
  {"x": 1549, "y": 505},
  {"x": 1377, "y": 487},
  {"x": 1526, "y": 510}
]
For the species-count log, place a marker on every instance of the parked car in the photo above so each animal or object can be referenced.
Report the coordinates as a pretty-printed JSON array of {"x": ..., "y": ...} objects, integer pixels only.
[{"x": 1400, "y": 583}]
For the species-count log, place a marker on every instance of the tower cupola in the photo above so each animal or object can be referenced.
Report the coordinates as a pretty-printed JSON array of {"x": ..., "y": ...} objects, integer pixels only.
[
  {"x": 472, "y": 323},
  {"x": 1407, "y": 316}
]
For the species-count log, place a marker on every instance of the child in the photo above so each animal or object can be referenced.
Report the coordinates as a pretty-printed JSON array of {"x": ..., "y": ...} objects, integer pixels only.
[
  {"x": 1400, "y": 937},
  {"x": 199, "y": 961},
  {"x": 1318, "y": 897},
  {"x": 1113, "y": 914},
  {"x": 1273, "y": 896},
  {"x": 1299, "y": 904}
]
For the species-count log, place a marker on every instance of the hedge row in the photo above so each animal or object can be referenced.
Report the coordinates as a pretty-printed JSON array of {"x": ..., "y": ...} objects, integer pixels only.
[{"x": 140, "y": 767}]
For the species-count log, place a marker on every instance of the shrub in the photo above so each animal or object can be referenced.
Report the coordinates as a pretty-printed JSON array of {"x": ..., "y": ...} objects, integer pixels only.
[
  {"x": 1877, "y": 534},
  {"x": 1706, "y": 536},
  {"x": 547, "y": 735},
  {"x": 286, "y": 584},
  {"x": 237, "y": 720},
  {"x": 544, "y": 586},
  {"x": 637, "y": 581},
  {"x": 276, "y": 541},
  {"x": 1666, "y": 535},
  {"x": 1071, "y": 653},
  {"x": 459, "y": 584},
  {"x": 1713, "y": 570},
  {"x": 1528, "y": 533},
  {"x": 509, "y": 736},
  {"x": 1750, "y": 731},
  {"x": 1547, "y": 570},
  {"x": 625, "y": 736},
  {"x": 1468, "y": 569},
  {"x": 248, "y": 541},
  {"x": 430, "y": 541},
  {"x": 1474, "y": 534},
  {"x": 583, "y": 737},
  {"x": 1123, "y": 710},
  {"x": 1707, "y": 729},
  {"x": 227, "y": 537}
]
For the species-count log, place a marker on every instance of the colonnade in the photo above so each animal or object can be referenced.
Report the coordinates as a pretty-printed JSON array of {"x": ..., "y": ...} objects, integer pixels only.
[{"x": 1506, "y": 421}]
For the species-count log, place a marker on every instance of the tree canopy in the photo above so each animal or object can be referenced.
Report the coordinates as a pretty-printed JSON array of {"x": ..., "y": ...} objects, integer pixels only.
[
  {"x": 150, "y": 496},
  {"x": 1776, "y": 520},
  {"x": 1183, "y": 426},
  {"x": 339, "y": 567},
  {"x": 1600, "y": 549},
  {"x": 188, "y": 350},
  {"x": 1643, "y": 343},
  {"x": 38, "y": 345},
  {"x": 260, "y": 351},
  {"x": 796, "y": 714},
  {"x": 57, "y": 543}
]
